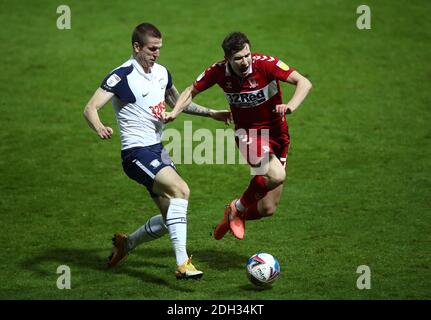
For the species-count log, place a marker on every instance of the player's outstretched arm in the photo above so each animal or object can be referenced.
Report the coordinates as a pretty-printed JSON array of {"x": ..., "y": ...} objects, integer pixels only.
[
  {"x": 97, "y": 101},
  {"x": 172, "y": 96},
  {"x": 303, "y": 87}
]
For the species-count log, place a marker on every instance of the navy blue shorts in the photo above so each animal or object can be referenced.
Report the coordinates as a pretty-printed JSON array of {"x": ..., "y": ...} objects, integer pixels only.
[{"x": 143, "y": 163}]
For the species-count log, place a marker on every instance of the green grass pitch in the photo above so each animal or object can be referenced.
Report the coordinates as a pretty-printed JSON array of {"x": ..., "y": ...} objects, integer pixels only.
[{"x": 358, "y": 181}]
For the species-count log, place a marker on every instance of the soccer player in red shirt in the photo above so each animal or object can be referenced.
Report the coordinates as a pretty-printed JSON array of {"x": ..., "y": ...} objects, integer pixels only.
[{"x": 250, "y": 82}]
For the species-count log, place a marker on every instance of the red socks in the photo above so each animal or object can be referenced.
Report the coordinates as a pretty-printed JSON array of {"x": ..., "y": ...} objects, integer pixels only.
[
  {"x": 252, "y": 213},
  {"x": 256, "y": 190}
]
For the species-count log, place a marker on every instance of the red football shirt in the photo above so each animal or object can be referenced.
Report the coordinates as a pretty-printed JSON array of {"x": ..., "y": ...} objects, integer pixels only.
[{"x": 252, "y": 99}]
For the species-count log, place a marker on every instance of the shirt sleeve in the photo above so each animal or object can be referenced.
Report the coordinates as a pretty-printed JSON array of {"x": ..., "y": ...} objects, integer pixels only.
[
  {"x": 279, "y": 70},
  {"x": 116, "y": 82},
  {"x": 206, "y": 79},
  {"x": 111, "y": 82}
]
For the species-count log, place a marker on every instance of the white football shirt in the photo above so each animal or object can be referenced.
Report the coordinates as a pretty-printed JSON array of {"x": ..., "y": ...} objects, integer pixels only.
[{"x": 138, "y": 102}]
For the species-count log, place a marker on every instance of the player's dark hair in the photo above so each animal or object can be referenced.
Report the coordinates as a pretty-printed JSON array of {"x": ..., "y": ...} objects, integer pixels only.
[
  {"x": 144, "y": 30},
  {"x": 233, "y": 43}
]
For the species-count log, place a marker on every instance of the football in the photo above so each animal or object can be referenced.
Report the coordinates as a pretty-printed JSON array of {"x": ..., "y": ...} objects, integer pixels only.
[{"x": 262, "y": 269}]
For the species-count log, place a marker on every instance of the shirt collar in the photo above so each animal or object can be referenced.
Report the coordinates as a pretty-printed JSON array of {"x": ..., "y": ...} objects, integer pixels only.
[
  {"x": 227, "y": 70},
  {"x": 138, "y": 67}
]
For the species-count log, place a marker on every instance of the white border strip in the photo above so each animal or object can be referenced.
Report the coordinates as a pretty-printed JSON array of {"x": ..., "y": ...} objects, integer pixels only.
[{"x": 140, "y": 165}]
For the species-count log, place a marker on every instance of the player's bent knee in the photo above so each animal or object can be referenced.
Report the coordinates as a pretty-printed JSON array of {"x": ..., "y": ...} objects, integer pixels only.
[
  {"x": 182, "y": 191},
  {"x": 178, "y": 190},
  {"x": 268, "y": 210},
  {"x": 275, "y": 175},
  {"x": 186, "y": 191},
  {"x": 274, "y": 180}
]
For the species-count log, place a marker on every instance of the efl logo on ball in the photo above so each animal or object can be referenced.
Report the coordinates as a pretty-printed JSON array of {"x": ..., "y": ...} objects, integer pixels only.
[{"x": 263, "y": 269}]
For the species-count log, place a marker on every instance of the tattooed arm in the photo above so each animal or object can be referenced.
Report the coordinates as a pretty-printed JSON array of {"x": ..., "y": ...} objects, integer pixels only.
[{"x": 172, "y": 95}]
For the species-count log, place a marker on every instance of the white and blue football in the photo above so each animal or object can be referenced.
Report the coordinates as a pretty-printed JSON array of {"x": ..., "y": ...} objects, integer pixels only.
[{"x": 263, "y": 269}]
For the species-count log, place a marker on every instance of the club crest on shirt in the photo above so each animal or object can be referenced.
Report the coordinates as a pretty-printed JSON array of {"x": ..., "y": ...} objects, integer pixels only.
[
  {"x": 252, "y": 83},
  {"x": 113, "y": 80},
  {"x": 162, "y": 85}
]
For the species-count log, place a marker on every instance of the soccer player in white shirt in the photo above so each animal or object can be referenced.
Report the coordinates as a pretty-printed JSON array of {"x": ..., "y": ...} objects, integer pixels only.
[{"x": 139, "y": 89}]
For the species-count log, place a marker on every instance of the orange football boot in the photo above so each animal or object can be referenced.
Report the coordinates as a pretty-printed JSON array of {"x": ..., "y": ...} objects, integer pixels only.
[
  {"x": 119, "y": 251},
  {"x": 236, "y": 221},
  {"x": 223, "y": 226}
]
